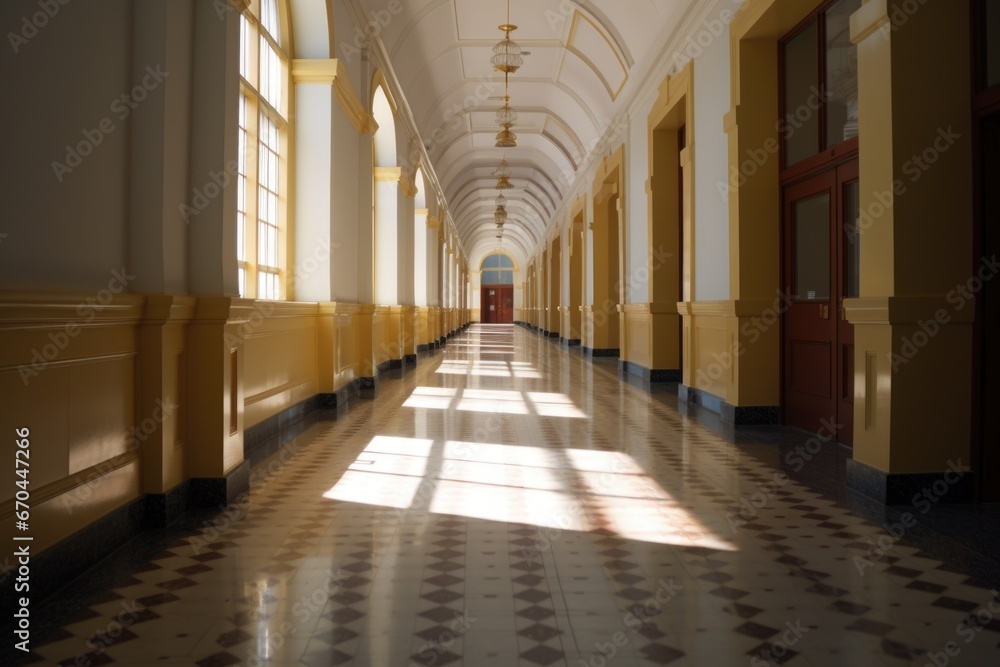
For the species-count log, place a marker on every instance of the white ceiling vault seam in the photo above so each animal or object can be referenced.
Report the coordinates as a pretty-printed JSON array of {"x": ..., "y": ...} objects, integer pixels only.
[{"x": 589, "y": 59}]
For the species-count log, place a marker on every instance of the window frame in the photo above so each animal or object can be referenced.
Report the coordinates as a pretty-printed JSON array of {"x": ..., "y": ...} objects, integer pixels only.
[
  {"x": 825, "y": 157},
  {"x": 255, "y": 111}
]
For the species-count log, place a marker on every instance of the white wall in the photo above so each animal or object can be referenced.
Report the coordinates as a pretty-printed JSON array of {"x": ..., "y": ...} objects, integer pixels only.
[
  {"x": 67, "y": 235},
  {"x": 313, "y": 158},
  {"x": 637, "y": 206},
  {"x": 352, "y": 227},
  {"x": 711, "y": 228}
]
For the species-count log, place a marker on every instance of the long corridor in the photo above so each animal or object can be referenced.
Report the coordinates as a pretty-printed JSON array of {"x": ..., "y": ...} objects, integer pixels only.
[{"x": 509, "y": 503}]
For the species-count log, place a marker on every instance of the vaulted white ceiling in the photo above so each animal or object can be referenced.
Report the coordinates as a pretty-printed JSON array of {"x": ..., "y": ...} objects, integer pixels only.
[{"x": 585, "y": 59}]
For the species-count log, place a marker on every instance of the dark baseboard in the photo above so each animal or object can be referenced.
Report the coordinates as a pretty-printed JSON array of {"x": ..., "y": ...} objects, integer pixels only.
[
  {"x": 628, "y": 368},
  {"x": 553, "y": 334},
  {"x": 67, "y": 559},
  {"x": 609, "y": 353},
  {"x": 64, "y": 561},
  {"x": 283, "y": 426},
  {"x": 915, "y": 489},
  {"x": 410, "y": 360},
  {"x": 750, "y": 415},
  {"x": 571, "y": 342}
]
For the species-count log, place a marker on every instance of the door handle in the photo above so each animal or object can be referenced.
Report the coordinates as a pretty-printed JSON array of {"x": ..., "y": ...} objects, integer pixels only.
[{"x": 824, "y": 311}]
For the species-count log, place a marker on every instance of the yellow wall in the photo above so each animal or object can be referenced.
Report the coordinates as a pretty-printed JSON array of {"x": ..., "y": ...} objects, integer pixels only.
[
  {"x": 135, "y": 395},
  {"x": 78, "y": 398}
]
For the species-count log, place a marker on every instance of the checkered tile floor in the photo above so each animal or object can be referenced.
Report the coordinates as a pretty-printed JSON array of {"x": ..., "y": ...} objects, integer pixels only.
[{"x": 508, "y": 503}]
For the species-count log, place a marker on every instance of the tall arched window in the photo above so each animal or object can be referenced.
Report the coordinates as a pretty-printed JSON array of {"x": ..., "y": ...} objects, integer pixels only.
[
  {"x": 421, "y": 260},
  {"x": 498, "y": 270},
  {"x": 263, "y": 139},
  {"x": 386, "y": 187}
]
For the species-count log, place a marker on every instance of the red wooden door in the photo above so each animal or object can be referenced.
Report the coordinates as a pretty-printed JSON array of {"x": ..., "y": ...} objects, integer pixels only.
[
  {"x": 820, "y": 271},
  {"x": 498, "y": 304}
]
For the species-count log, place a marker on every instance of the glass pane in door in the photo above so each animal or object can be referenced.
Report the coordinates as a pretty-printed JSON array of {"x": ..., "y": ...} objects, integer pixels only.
[
  {"x": 811, "y": 262},
  {"x": 801, "y": 122},
  {"x": 841, "y": 74}
]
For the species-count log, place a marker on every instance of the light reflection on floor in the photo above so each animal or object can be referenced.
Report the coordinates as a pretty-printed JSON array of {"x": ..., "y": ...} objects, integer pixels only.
[{"x": 568, "y": 489}]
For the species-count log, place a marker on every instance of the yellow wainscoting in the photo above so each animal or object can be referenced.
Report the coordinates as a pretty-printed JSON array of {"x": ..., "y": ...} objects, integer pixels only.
[
  {"x": 280, "y": 366},
  {"x": 68, "y": 373},
  {"x": 637, "y": 343}
]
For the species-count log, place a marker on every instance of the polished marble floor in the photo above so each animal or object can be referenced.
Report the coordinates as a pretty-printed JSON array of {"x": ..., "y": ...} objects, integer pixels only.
[{"x": 509, "y": 503}]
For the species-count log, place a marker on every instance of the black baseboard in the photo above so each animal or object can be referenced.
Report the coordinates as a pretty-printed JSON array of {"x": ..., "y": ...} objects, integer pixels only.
[
  {"x": 743, "y": 415},
  {"x": 628, "y": 368},
  {"x": 553, "y": 334},
  {"x": 571, "y": 342},
  {"x": 65, "y": 560},
  {"x": 915, "y": 489},
  {"x": 410, "y": 360},
  {"x": 592, "y": 353},
  {"x": 279, "y": 427},
  {"x": 391, "y": 365}
]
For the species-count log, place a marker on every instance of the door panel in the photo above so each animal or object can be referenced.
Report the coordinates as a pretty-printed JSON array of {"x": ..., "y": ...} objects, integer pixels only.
[
  {"x": 808, "y": 331},
  {"x": 820, "y": 271},
  {"x": 498, "y": 304}
]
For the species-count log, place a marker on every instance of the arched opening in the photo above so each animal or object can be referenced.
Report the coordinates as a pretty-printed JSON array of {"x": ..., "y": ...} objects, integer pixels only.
[
  {"x": 422, "y": 286},
  {"x": 385, "y": 201},
  {"x": 497, "y": 280},
  {"x": 261, "y": 247}
]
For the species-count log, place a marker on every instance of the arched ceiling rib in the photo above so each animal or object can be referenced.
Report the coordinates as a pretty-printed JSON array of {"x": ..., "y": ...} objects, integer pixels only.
[{"x": 585, "y": 56}]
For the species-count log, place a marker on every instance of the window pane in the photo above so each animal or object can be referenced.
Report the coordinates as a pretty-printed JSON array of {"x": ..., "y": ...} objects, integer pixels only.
[
  {"x": 811, "y": 263},
  {"x": 241, "y": 236},
  {"x": 269, "y": 18},
  {"x": 852, "y": 240},
  {"x": 244, "y": 47},
  {"x": 841, "y": 74},
  {"x": 270, "y": 74},
  {"x": 800, "y": 127},
  {"x": 992, "y": 42},
  {"x": 243, "y": 282}
]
